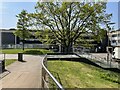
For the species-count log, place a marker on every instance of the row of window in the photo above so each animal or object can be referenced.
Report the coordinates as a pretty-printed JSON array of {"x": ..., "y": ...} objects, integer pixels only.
[
  {"x": 116, "y": 35},
  {"x": 114, "y": 41}
]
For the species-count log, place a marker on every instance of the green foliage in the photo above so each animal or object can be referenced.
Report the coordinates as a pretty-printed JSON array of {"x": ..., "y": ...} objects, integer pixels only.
[
  {"x": 37, "y": 52},
  {"x": 68, "y": 20},
  {"x": 45, "y": 36},
  {"x": 22, "y": 25}
]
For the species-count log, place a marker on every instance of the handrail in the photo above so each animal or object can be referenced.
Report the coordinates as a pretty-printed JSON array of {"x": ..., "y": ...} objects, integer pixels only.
[{"x": 48, "y": 72}]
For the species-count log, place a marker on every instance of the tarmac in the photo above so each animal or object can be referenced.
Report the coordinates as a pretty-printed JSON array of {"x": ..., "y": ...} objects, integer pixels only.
[{"x": 26, "y": 74}]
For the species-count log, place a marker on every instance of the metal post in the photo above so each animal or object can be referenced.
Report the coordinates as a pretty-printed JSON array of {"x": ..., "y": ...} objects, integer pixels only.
[
  {"x": 4, "y": 56},
  {"x": 15, "y": 41},
  {"x": 119, "y": 74},
  {"x": 42, "y": 77},
  {"x": 59, "y": 48}
]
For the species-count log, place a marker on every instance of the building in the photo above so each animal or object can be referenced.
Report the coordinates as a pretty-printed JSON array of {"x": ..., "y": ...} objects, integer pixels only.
[
  {"x": 114, "y": 37},
  {"x": 91, "y": 44},
  {"x": 9, "y": 40}
]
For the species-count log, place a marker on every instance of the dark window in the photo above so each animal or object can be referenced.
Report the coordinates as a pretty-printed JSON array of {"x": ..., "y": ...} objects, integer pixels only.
[
  {"x": 115, "y": 35},
  {"x": 113, "y": 41}
]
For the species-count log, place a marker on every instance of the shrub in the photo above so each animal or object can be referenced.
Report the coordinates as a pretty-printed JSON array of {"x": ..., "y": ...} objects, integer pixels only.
[{"x": 37, "y": 52}]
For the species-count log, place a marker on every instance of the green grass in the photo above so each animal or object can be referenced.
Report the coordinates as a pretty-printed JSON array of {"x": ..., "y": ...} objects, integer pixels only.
[
  {"x": 11, "y": 51},
  {"x": 80, "y": 75},
  {"x": 9, "y": 61},
  {"x": 26, "y": 51}
]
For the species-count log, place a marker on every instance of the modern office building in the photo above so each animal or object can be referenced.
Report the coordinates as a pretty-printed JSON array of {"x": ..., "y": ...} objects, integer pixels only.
[
  {"x": 88, "y": 41},
  {"x": 8, "y": 39},
  {"x": 114, "y": 37}
]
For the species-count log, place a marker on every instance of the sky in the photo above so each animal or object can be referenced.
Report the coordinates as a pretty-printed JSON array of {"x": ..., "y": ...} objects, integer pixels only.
[{"x": 9, "y": 10}]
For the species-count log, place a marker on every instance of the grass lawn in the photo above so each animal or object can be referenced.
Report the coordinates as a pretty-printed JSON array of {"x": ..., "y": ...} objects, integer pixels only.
[
  {"x": 26, "y": 51},
  {"x": 80, "y": 75},
  {"x": 9, "y": 61}
]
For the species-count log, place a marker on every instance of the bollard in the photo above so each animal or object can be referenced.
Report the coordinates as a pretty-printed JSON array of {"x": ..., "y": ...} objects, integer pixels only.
[
  {"x": 2, "y": 66},
  {"x": 20, "y": 56}
]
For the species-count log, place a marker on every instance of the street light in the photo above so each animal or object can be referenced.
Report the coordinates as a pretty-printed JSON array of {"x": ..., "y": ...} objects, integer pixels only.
[{"x": 108, "y": 47}]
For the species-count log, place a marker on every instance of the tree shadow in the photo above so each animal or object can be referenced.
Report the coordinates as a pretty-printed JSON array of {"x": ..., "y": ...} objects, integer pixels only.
[
  {"x": 22, "y": 61},
  {"x": 87, "y": 61},
  {"x": 56, "y": 75},
  {"x": 5, "y": 73}
]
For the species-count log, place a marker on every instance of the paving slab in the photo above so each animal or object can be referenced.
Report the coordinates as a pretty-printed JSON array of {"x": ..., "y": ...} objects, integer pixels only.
[{"x": 25, "y": 74}]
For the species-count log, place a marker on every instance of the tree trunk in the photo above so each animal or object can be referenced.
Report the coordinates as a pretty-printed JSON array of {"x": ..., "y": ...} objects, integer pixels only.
[
  {"x": 23, "y": 45},
  {"x": 67, "y": 49}
]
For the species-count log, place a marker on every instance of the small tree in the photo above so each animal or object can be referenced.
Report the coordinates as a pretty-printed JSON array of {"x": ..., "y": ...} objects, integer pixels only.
[{"x": 22, "y": 26}]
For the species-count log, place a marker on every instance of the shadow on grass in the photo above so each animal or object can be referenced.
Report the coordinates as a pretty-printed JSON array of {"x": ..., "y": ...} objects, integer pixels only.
[
  {"x": 56, "y": 75},
  {"x": 86, "y": 61}
]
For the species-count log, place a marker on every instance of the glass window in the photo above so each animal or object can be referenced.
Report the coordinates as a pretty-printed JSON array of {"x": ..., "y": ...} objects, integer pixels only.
[
  {"x": 118, "y": 41},
  {"x": 118, "y": 35},
  {"x": 113, "y": 41},
  {"x": 115, "y": 35}
]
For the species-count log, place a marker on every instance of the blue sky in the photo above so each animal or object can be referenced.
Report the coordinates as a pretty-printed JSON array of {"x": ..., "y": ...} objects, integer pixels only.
[{"x": 9, "y": 10}]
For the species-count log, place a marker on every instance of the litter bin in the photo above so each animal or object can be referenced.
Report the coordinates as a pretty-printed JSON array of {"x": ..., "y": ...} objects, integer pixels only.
[
  {"x": 20, "y": 56},
  {"x": 2, "y": 66}
]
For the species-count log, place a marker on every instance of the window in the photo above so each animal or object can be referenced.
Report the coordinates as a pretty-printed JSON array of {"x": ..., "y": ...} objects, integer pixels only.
[
  {"x": 118, "y": 35},
  {"x": 118, "y": 41},
  {"x": 113, "y": 41},
  {"x": 115, "y": 35}
]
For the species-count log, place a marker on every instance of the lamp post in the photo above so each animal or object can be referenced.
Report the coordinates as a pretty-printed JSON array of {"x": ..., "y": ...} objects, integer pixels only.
[{"x": 109, "y": 54}]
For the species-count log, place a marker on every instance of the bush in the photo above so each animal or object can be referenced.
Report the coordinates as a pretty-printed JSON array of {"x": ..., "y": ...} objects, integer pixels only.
[{"x": 37, "y": 52}]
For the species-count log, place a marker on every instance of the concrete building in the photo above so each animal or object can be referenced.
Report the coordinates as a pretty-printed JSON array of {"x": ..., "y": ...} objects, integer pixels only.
[
  {"x": 89, "y": 42},
  {"x": 8, "y": 39},
  {"x": 114, "y": 37}
]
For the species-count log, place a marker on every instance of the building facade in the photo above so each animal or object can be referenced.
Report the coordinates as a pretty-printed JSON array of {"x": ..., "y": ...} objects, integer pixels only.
[
  {"x": 114, "y": 37},
  {"x": 8, "y": 39}
]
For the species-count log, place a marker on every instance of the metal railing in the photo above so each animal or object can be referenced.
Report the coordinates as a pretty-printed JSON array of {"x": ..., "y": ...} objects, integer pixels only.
[
  {"x": 99, "y": 60},
  {"x": 25, "y": 46},
  {"x": 46, "y": 75}
]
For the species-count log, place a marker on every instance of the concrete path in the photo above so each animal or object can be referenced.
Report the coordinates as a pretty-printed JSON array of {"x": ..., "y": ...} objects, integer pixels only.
[{"x": 25, "y": 74}]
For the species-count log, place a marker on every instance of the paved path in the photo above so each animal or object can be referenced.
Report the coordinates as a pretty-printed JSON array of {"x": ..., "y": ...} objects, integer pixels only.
[{"x": 23, "y": 74}]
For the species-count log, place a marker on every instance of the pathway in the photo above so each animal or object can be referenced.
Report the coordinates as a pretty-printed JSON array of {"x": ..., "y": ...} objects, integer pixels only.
[{"x": 25, "y": 74}]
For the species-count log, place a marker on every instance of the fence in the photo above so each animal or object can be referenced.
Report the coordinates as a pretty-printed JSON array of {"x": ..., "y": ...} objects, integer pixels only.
[
  {"x": 99, "y": 60},
  {"x": 25, "y": 46},
  {"x": 47, "y": 77}
]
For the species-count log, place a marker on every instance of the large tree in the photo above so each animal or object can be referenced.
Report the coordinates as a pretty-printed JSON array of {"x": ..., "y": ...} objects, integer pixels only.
[
  {"x": 68, "y": 20},
  {"x": 22, "y": 27}
]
